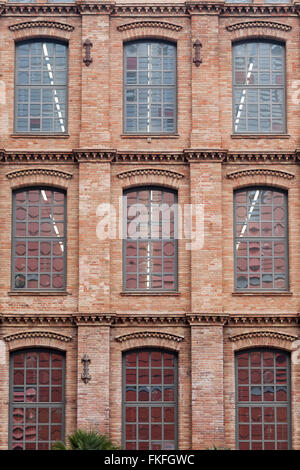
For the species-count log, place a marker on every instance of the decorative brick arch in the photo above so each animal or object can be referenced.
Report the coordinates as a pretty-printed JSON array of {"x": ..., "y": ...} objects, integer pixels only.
[
  {"x": 152, "y": 339},
  {"x": 149, "y": 29},
  {"x": 37, "y": 338},
  {"x": 150, "y": 176},
  {"x": 39, "y": 177},
  {"x": 41, "y": 29},
  {"x": 259, "y": 30},
  {"x": 260, "y": 177},
  {"x": 263, "y": 338}
]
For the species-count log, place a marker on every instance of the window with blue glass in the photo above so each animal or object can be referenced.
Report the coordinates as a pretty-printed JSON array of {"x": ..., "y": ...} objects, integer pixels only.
[
  {"x": 150, "y": 87},
  {"x": 41, "y": 87},
  {"x": 259, "y": 87}
]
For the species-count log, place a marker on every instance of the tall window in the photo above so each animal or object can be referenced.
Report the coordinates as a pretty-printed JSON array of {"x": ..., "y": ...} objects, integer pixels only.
[
  {"x": 39, "y": 239},
  {"x": 261, "y": 239},
  {"x": 150, "y": 245},
  {"x": 259, "y": 87},
  {"x": 263, "y": 399},
  {"x": 41, "y": 87},
  {"x": 150, "y": 400},
  {"x": 36, "y": 399},
  {"x": 150, "y": 87}
]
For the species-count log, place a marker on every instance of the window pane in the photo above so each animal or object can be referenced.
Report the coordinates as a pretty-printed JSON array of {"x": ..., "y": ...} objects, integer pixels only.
[
  {"x": 262, "y": 414},
  {"x": 261, "y": 258},
  {"x": 41, "y": 77},
  {"x": 150, "y": 68},
  {"x": 37, "y": 419},
  {"x": 39, "y": 239},
  {"x": 150, "y": 251},
  {"x": 150, "y": 415},
  {"x": 258, "y": 77}
]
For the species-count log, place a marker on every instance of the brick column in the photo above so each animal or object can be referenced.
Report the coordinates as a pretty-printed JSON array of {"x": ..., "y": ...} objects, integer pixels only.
[
  {"x": 94, "y": 250},
  {"x": 95, "y": 83},
  {"x": 205, "y": 89},
  {"x": 206, "y": 258},
  {"x": 207, "y": 386},
  {"x": 93, "y": 397}
]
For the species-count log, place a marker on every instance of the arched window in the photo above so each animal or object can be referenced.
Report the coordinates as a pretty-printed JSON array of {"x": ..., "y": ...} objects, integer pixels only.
[
  {"x": 149, "y": 400},
  {"x": 263, "y": 399},
  {"x": 259, "y": 87},
  {"x": 37, "y": 400},
  {"x": 150, "y": 87},
  {"x": 39, "y": 239},
  {"x": 41, "y": 87},
  {"x": 150, "y": 245},
  {"x": 261, "y": 239}
]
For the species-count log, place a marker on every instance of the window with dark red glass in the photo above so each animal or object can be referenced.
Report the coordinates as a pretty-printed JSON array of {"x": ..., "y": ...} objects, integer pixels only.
[
  {"x": 39, "y": 239},
  {"x": 263, "y": 400},
  {"x": 261, "y": 239},
  {"x": 150, "y": 400},
  {"x": 36, "y": 399},
  {"x": 150, "y": 245}
]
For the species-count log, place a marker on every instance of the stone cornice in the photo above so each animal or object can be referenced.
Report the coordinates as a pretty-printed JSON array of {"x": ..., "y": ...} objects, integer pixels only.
[
  {"x": 184, "y": 156},
  {"x": 163, "y": 319},
  {"x": 259, "y": 24},
  {"x": 37, "y": 334},
  {"x": 157, "y": 9},
  {"x": 263, "y": 334},
  {"x": 260, "y": 172},
  {"x": 149, "y": 334},
  {"x": 41, "y": 24},
  {"x": 39, "y": 171},
  {"x": 149, "y": 24}
]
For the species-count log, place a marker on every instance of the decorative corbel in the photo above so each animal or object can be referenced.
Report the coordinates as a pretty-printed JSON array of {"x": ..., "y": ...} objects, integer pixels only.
[
  {"x": 87, "y": 45},
  {"x": 197, "y": 59},
  {"x": 85, "y": 376}
]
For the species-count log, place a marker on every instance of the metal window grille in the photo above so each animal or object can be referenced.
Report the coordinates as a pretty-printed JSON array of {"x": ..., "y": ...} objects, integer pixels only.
[
  {"x": 149, "y": 400},
  {"x": 41, "y": 87},
  {"x": 259, "y": 87},
  {"x": 263, "y": 420},
  {"x": 150, "y": 242},
  {"x": 39, "y": 239},
  {"x": 261, "y": 239},
  {"x": 149, "y": 87},
  {"x": 37, "y": 399}
]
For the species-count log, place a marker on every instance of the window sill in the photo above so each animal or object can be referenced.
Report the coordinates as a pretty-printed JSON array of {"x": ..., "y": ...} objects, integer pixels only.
[
  {"x": 260, "y": 136},
  {"x": 266, "y": 294},
  {"x": 150, "y": 136},
  {"x": 145, "y": 293},
  {"x": 39, "y": 293},
  {"x": 40, "y": 136}
]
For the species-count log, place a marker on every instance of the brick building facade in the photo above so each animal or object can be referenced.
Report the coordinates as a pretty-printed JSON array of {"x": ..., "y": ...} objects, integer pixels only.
[{"x": 196, "y": 102}]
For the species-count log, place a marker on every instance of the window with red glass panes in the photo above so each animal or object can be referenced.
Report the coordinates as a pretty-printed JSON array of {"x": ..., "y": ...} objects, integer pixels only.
[
  {"x": 150, "y": 242},
  {"x": 37, "y": 403},
  {"x": 149, "y": 400},
  {"x": 39, "y": 239},
  {"x": 263, "y": 400}
]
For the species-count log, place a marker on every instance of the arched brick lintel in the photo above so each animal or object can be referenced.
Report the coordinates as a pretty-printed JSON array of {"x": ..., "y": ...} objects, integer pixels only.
[
  {"x": 39, "y": 177},
  {"x": 141, "y": 340},
  {"x": 260, "y": 177},
  {"x": 149, "y": 32},
  {"x": 36, "y": 339},
  {"x": 150, "y": 176},
  {"x": 253, "y": 30},
  {"x": 258, "y": 339},
  {"x": 47, "y": 29}
]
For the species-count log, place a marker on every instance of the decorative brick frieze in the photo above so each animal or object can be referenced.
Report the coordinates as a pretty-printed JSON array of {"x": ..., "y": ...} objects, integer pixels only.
[
  {"x": 149, "y": 24},
  {"x": 259, "y": 24},
  {"x": 37, "y": 334},
  {"x": 263, "y": 334},
  {"x": 260, "y": 172},
  {"x": 41, "y": 24},
  {"x": 38, "y": 171},
  {"x": 149, "y": 334}
]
